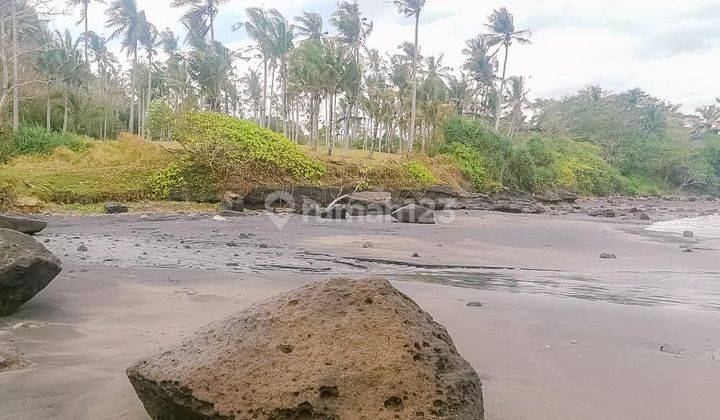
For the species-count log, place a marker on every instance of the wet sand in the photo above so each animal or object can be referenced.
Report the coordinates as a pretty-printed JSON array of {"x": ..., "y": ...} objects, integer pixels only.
[{"x": 561, "y": 334}]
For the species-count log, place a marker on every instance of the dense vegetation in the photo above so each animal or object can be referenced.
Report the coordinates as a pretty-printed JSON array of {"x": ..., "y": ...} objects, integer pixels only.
[{"x": 406, "y": 119}]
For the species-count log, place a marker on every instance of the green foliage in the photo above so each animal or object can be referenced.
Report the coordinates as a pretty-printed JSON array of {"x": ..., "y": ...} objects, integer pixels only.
[
  {"x": 36, "y": 140},
  {"x": 167, "y": 180},
  {"x": 160, "y": 120},
  {"x": 419, "y": 174},
  {"x": 231, "y": 150},
  {"x": 472, "y": 166}
]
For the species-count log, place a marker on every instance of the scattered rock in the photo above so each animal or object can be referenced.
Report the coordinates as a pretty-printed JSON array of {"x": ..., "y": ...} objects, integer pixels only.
[
  {"x": 289, "y": 358},
  {"x": 231, "y": 202},
  {"x": 9, "y": 360},
  {"x": 336, "y": 211},
  {"x": 367, "y": 245},
  {"x": 549, "y": 197},
  {"x": 115, "y": 208},
  {"x": 230, "y": 213},
  {"x": 413, "y": 213},
  {"x": 514, "y": 208},
  {"x": 607, "y": 256},
  {"x": 82, "y": 248},
  {"x": 644, "y": 216},
  {"x": 369, "y": 202},
  {"x": 308, "y": 207},
  {"x": 416, "y": 255},
  {"x": 568, "y": 196},
  {"x": 688, "y": 250},
  {"x": 219, "y": 219},
  {"x": 22, "y": 224},
  {"x": 669, "y": 348},
  {"x": 602, "y": 213},
  {"x": 688, "y": 234},
  {"x": 26, "y": 268},
  {"x": 474, "y": 304}
]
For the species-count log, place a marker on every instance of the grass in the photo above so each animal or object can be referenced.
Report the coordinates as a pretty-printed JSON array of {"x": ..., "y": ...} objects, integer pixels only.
[
  {"x": 113, "y": 170},
  {"x": 138, "y": 207}
]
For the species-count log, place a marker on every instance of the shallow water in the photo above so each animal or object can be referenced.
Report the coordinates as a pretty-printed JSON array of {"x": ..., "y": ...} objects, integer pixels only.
[{"x": 707, "y": 226}]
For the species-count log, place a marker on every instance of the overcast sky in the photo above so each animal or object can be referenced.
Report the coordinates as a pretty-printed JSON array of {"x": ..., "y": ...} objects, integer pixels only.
[{"x": 670, "y": 48}]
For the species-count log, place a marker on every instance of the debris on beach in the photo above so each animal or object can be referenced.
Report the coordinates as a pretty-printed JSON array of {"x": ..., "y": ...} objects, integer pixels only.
[
  {"x": 26, "y": 268},
  {"x": 669, "y": 348},
  {"x": 332, "y": 349},
  {"x": 608, "y": 256}
]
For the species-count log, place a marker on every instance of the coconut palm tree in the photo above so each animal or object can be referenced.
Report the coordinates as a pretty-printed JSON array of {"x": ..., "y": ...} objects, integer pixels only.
[
  {"x": 259, "y": 28},
  {"x": 480, "y": 65},
  {"x": 201, "y": 13},
  {"x": 501, "y": 24},
  {"x": 517, "y": 103},
  {"x": 412, "y": 8},
  {"x": 148, "y": 39},
  {"x": 126, "y": 21},
  {"x": 84, "y": 19},
  {"x": 310, "y": 26},
  {"x": 71, "y": 68}
]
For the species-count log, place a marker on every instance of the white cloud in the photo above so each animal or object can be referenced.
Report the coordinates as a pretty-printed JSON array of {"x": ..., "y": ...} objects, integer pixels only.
[{"x": 667, "y": 47}]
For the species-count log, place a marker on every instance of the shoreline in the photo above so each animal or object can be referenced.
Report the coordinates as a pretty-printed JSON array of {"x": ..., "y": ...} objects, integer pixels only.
[{"x": 573, "y": 336}]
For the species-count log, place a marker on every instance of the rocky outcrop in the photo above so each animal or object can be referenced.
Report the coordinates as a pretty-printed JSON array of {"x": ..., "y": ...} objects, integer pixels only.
[
  {"x": 115, "y": 208},
  {"x": 26, "y": 268},
  {"x": 567, "y": 196},
  {"x": 549, "y": 197},
  {"x": 335, "y": 211},
  {"x": 369, "y": 202},
  {"x": 22, "y": 225},
  {"x": 231, "y": 202},
  {"x": 338, "y": 349},
  {"x": 413, "y": 213}
]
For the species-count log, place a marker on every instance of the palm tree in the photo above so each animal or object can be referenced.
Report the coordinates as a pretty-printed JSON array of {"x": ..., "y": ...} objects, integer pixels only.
[
  {"x": 106, "y": 65},
  {"x": 517, "y": 102},
  {"x": 501, "y": 24},
  {"x": 148, "y": 40},
  {"x": 354, "y": 30},
  {"x": 480, "y": 66},
  {"x": 70, "y": 68},
  {"x": 309, "y": 25},
  {"x": 259, "y": 27},
  {"x": 125, "y": 19},
  {"x": 201, "y": 12},
  {"x": 84, "y": 19},
  {"x": 412, "y": 8}
]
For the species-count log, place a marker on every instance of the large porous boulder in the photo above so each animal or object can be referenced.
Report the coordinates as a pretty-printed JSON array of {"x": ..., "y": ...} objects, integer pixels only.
[
  {"x": 567, "y": 196},
  {"x": 335, "y": 211},
  {"x": 232, "y": 202},
  {"x": 26, "y": 268},
  {"x": 22, "y": 224},
  {"x": 414, "y": 213},
  {"x": 337, "y": 349},
  {"x": 369, "y": 202}
]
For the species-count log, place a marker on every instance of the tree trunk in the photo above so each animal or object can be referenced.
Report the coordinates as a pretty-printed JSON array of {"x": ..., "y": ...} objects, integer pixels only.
[
  {"x": 65, "y": 112},
  {"x": 263, "y": 109},
  {"x": 15, "y": 54},
  {"x": 149, "y": 99},
  {"x": 131, "y": 125},
  {"x": 86, "y": 32},
  {"x": 499, "y": 101},
  {"x": 414, "y": 84},
  {"x": 47, "y": 113}
]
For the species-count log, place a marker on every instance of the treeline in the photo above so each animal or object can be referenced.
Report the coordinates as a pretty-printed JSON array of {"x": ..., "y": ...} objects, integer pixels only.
[{"x": 317, "y": 82}]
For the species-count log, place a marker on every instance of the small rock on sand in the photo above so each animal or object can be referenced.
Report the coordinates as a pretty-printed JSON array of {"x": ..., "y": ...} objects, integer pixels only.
[
  {"x": 608, "y": 256},
  {"x": 82, "y": 248},
  {"x": 688, "y": 234},
  {"x": 332, "y": 349},
  {"x": 413, "y": 213},
  {"x": 716, "y": 356},
  {"x": 115, "y": 208},
  {"x": 368, "y": 245},
  {"x": 474, "y": 304},
  {"x": 669, "y": 348}
]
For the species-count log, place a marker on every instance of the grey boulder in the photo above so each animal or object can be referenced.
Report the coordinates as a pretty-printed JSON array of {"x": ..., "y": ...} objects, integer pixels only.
[
  {"x": 115, "y": 208},
  {"x": 369, "y": 202},
  {"x": 413, "y": 213},
  {"x": 232, "y": 202},
  {"x": 22, "y": 224},
  {"x": 26, "y": 268}
]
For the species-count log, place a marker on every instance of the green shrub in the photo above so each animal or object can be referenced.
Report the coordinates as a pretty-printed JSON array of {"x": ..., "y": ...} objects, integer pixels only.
[
  {"x": 417, "y": 173},
  {"x": 36, "y": 140},
  {"x": 231, "y": 150},
  {"x": 472, "y": 166},
  {"x": 166, "y": 181}
]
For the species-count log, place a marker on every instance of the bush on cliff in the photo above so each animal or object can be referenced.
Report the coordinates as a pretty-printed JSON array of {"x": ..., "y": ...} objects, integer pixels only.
[{"x": 231, "y": 151}]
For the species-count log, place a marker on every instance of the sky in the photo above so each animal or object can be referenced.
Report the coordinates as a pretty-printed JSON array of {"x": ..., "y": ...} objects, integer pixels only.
[{"x": 669, "y": 48}]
